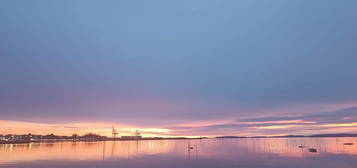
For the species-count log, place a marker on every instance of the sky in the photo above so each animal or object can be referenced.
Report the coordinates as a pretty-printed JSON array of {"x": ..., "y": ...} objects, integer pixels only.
[{"x": 178, "y": 68}]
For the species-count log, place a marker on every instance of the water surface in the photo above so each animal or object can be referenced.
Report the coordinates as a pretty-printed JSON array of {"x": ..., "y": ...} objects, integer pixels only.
[{"x": 225, "y": 153}]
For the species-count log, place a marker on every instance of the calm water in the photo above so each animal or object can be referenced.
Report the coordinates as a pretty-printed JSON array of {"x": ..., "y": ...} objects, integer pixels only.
[{"x": 245, "y": 153}]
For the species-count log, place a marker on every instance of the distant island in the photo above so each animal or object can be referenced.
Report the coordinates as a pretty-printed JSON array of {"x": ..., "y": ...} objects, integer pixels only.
[{"x": 294, "y": 136}]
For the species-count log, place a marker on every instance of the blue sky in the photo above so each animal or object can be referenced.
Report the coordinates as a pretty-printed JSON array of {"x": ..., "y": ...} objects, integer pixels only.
[{"x": 175, "y": 61}]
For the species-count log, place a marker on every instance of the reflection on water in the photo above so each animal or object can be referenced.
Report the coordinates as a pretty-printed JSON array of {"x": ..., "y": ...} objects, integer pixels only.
[
  {"x": 82, "y": 150},
  {"x": 234, "y": 150}
]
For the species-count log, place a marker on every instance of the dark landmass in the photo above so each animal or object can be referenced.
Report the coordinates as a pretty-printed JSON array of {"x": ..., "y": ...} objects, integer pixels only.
[
  {"x": 322, "y": 135},
  {"x": 28, "y": 138},
  {"x": 295, "y": 136},
  {"x": 292, "y": 136},
  {"x": 231, "y": 137},
  {"x": 334, "y": 135},
  {"x": 16, "y": 139}
]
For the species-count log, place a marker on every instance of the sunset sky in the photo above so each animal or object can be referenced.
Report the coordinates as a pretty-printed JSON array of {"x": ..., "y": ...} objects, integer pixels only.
[{"x": 178, "y": 68}]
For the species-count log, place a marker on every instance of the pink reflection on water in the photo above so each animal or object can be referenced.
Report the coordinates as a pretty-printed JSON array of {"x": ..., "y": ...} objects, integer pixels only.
[{"x": 246, "y": 149}]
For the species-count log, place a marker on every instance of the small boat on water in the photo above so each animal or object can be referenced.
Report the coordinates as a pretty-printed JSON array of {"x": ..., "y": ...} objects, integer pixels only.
[
  {"x": 312, "y": 150},
  {"x": 348, "y": 143}
]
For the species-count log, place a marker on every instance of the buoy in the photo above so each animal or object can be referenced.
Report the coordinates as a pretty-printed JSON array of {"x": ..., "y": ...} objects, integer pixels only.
[
  {"x": 313, "y": 150},
  {"x": 348, "y": 143}
]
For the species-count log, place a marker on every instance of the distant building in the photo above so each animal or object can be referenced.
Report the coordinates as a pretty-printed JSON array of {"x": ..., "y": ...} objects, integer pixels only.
[{"x": 2, "y": 138}]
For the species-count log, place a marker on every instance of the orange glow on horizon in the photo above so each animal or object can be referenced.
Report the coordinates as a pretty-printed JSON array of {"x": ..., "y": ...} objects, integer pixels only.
[
  {"x": 281, "y": 122},
  {"x": 105, "y": 129},
  {"x": 340, "y": 125},
  {"x": 277, "y": 126},
  {"x": 16, "y": 127}
]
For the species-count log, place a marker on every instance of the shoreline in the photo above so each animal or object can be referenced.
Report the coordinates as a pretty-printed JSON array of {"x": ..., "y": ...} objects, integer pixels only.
[
  {"x": 145, "y": 139},
  {"x": 99, "y": 140}
]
